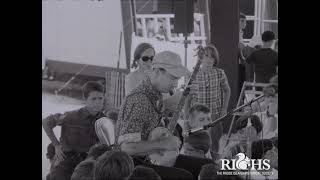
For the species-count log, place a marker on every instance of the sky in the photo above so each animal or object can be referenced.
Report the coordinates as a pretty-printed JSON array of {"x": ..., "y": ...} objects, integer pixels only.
[{"x": 82, "y": 31}]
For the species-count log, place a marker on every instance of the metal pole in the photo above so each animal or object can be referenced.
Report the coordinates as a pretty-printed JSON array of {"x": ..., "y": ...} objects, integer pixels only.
[{"x": 185, "y": 53}]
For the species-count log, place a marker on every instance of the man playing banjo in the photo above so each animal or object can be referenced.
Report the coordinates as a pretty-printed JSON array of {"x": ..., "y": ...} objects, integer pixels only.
[{"x": 140, "y": 112}]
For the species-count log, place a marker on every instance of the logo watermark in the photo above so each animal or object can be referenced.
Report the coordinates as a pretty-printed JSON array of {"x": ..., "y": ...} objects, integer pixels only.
[{"x": 243, "y": 165}]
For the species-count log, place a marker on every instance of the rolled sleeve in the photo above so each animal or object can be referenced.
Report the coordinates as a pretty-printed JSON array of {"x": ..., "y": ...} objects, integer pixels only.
[
  {"x": 130, "y": 137},
  {"x": 55, "y": 120}
]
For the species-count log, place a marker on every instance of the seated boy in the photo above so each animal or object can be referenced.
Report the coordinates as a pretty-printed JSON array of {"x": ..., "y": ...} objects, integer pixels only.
[{"x": 199, "y": 115}]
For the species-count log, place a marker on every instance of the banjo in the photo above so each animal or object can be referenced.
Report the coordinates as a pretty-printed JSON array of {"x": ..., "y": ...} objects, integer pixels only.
[{"x": 162, "y": 132}]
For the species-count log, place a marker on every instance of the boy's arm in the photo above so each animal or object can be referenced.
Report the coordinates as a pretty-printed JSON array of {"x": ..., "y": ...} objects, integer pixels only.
[
  {"x": 51, "y": 122},
  {"x": 48, "y": 124}
]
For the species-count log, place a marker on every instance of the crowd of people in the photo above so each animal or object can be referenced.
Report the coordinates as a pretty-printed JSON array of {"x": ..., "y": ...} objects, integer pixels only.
[{"x": 121, "y": 144}]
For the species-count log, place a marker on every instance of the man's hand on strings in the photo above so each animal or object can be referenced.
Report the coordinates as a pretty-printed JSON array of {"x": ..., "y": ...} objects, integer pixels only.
[{"x": 193, "y": 86}]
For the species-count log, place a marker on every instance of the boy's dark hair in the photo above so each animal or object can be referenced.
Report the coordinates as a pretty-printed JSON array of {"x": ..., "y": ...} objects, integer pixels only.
[
  {"x": 208, "y": 171},
  {"x": 113, "y": 114},
  {"x": 91, "y": 86},
  {"x": 200, "y": 108},
  {"x": 199, "y": 140},
  {"x": 255, "y": 121},
  {"x": 259, "y": 148},
  {"x": 84, "y": 170},
  {"x": 98, "y": 149},
  {"x": 267, "y": 36},
  {"x": 144, "y": 173},
  {"x": 50, "y": 151},
  {"x": 214, "y": 52},
  {"x": 114, "y": 165}
]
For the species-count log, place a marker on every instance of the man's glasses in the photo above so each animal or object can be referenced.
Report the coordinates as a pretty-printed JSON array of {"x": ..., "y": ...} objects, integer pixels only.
[{"x": 146, "y": 58}]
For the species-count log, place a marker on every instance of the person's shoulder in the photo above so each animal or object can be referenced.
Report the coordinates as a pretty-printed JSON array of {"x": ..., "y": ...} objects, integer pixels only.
[
  {"x": 131, "y": 75},
  {"x": 87, "y": 162},
  {"x": 257, "y": 51},
  {"x": 220, "y": 70},
  {"x": 79, "y": 110},
  {"x": 135, "y": 74},
  {"x": 83, "y": 168},
  {"x": 72, "y": 113},
  {"x": 221, "y": 73},
  {"x": 137, "y": 98},
  {"x": 134, "y": 95}
]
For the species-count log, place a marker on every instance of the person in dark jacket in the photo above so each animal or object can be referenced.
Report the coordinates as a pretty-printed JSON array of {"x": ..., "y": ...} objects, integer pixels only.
[{"x": 77, "y": 132}]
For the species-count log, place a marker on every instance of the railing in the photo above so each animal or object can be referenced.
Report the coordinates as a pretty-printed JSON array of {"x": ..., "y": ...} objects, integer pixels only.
[
  {"x": 161, "y": 26},
  {"x": 158, "y": 30},
  {"x": 115, "y": 91}
]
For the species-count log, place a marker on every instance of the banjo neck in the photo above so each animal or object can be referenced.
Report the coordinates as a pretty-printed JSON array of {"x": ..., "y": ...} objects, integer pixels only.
[{"x": 173, "y": 122}]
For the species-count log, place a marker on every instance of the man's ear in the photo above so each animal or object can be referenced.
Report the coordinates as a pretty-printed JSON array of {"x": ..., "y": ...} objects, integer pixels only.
[
  {"x": 154, "y": 74},
  {"x": 155, "y": 71}
]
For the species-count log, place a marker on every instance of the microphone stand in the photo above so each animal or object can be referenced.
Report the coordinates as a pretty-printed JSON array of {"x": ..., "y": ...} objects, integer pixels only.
[{"x": 223, "y": 117}]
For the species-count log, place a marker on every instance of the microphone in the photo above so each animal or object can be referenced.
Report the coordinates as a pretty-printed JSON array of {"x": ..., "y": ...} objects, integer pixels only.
[
  {"x": 269, "y": 90},
  {"x": 222, "y": 118}
]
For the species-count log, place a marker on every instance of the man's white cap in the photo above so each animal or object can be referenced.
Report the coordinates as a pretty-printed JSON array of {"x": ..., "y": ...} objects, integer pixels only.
[{"x": 171, "y": 62}]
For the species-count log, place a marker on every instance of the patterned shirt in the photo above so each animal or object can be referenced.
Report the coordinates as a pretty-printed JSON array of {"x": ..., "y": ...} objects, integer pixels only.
[
  {"x": 209, "y": 89},
  {"x": 133, "y": 79},
  {"x": 139, "y": 113}
]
